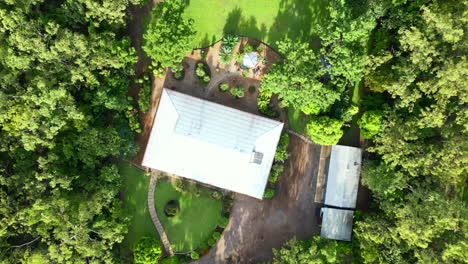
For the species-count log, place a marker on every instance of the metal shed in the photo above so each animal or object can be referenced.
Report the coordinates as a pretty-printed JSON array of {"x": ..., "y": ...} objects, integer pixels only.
[
  {"x": 212, "y": 143},
  {"x": 337, "y": 224},
  {"x": 343, "y": 176}
]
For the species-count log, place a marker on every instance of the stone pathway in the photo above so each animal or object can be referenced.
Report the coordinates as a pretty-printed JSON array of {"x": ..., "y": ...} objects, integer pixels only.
[
  {"x": 304, "y": 138},
  {"x": 154, "y": 216}
]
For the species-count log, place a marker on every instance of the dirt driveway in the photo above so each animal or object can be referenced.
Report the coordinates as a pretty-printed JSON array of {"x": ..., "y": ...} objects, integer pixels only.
[{"x": 258, "y": 226}]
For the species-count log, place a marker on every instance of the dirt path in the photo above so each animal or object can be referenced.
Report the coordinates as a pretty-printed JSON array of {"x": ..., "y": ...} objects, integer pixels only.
[{"x": 258, "y": 226}]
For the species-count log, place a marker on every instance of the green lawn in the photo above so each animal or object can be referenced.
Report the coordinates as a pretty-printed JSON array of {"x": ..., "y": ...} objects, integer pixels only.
[
  {"x": 267, "y": 20},
  {"x": 297, "y": 120},
  {"x": 135, "y": 193},
  {"x": 196, "y": 220}
]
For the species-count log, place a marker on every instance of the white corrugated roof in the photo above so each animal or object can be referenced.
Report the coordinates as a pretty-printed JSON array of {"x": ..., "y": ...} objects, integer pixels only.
[
  {"x": 212, "y": 143},
  {"x": 337, "y": 224},
  {"x": 343, "y": 176}
]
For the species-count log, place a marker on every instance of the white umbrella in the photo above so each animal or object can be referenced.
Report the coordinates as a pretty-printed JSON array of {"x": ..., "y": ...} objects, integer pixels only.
[{"x": 250, "y": 60}]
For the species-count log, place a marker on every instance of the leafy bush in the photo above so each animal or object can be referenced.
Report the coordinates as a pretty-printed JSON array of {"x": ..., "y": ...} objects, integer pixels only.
[
  {"x": 211, "y": 242},
  {"x": 216, "y": 235},
  {"x": 144, "y": 96},
  {"x": 178, "y": 72},
  {"x": 239, "y": 57},
  {"x": 172, "y": 208},
  {"x": 170, "y": 260},
  {"x": 194, "y": 255},
  {"x": 247, "y": 49},
  {"x": 147, "y": 251},
  {"x": 230, "y": 41},
  {"x": 370, "y": 123},
  {"x": 225, "y": 55},
  {"x": 216, "y": 195},
  {"x": 237, "y": 92},
  {"x": 223, "y": 87},
  {"x": 281, "y": 153},
  {"x": 263, "y": 102},
  {"x": 133, "y": 121},
  {"x": 276, "y": 170},
  {"x": 223, "y": 222},
  {"x": 202, "y": 72},
  {"x": 259, "y": 49},
  {"x": 324, "y": 130},
  {"x": 269, "y": 193}
]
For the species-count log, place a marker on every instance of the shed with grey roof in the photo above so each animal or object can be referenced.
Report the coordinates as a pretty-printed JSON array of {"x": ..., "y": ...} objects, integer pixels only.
[
  {"x": 337, "y": 224},
  {"x": 343, "y": 176}
]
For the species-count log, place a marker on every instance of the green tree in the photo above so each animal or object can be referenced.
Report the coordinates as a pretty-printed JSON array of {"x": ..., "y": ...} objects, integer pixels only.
[
  {"x": 147, "y": 251},
  {"x": 324, "y": 130},
  {"x": 296, "y": 79},
  {"x": 315, "y": 250},
  {"x": 169, "y": 35},
  {"x": 370, "y": 123}
]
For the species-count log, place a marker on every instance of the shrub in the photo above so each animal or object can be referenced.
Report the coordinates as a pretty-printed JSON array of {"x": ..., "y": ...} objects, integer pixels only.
[
  {"x": 281, "y": 153},
  {"x": 225, "y": 58},
  {"x": 237, "y": 92},
  {"x": 239, "y": 57},
  {"x": 133, "y": 121},
  {"x": 370, "y": 123},
  {"x": 180, "y": 185},
  {"x": 147, "y": 251},
  {"x": 178, "y": 72},
  {"x": 216, "y": 235},
  {"x": 172, "y": 208},
  {"x": 230, "y": 41},
  {"x": 259, "y": 49},
  {"x": 263, "y": 102},
  {"x": 276, "y": 170},
  {"x": 170, "y": 260},
  {"x": 194, "y": 255},
  {"x": 324, "y": 130},
  {"x": 211, "y": 242},
  {"x": 269, "y": 193},
  {"x": 224, "y": 87},
  {"x": 202, "y": 72},
  {"x": 223, "y": 222},
  {"x": 216, "y": 195},
  {"x": 247, "y": 49},
  {"x": 144, "y": 97}
]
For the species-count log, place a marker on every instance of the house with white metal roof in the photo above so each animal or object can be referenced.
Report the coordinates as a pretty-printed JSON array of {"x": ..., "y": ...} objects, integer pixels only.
[{"x": 212, "y": 143}]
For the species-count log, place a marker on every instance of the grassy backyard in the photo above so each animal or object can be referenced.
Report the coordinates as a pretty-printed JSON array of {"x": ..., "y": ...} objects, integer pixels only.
[
  {"x": 196, "y": 220},
  {"x": 135, "y": 192},
  {"x": 267, "y": 20}
]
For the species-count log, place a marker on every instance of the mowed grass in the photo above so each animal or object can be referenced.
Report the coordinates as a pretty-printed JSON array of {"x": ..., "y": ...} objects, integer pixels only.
[
  {"x": 267, "y": 20},
  {"x": 134, "y": 194},
  {"x": 297, "y": 120},
  {"x": 197, "y": 218}
]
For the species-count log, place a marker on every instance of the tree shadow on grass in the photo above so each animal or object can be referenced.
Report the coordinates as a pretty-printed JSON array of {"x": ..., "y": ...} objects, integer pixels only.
[
  {"x": 238, "y": 24},
  {"x": 298, "y": 20}
]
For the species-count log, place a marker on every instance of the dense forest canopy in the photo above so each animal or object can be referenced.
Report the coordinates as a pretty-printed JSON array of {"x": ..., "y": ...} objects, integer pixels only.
[
  {"x": 65, "y": 119},
  {"x": 64, "y": 69},
  {"x": 416, "y": 115}
]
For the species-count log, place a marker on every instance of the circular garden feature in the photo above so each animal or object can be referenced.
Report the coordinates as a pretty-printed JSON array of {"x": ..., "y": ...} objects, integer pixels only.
[
  {"x": 172, "y": 208},
  {"x": 189, "y": 213}
]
